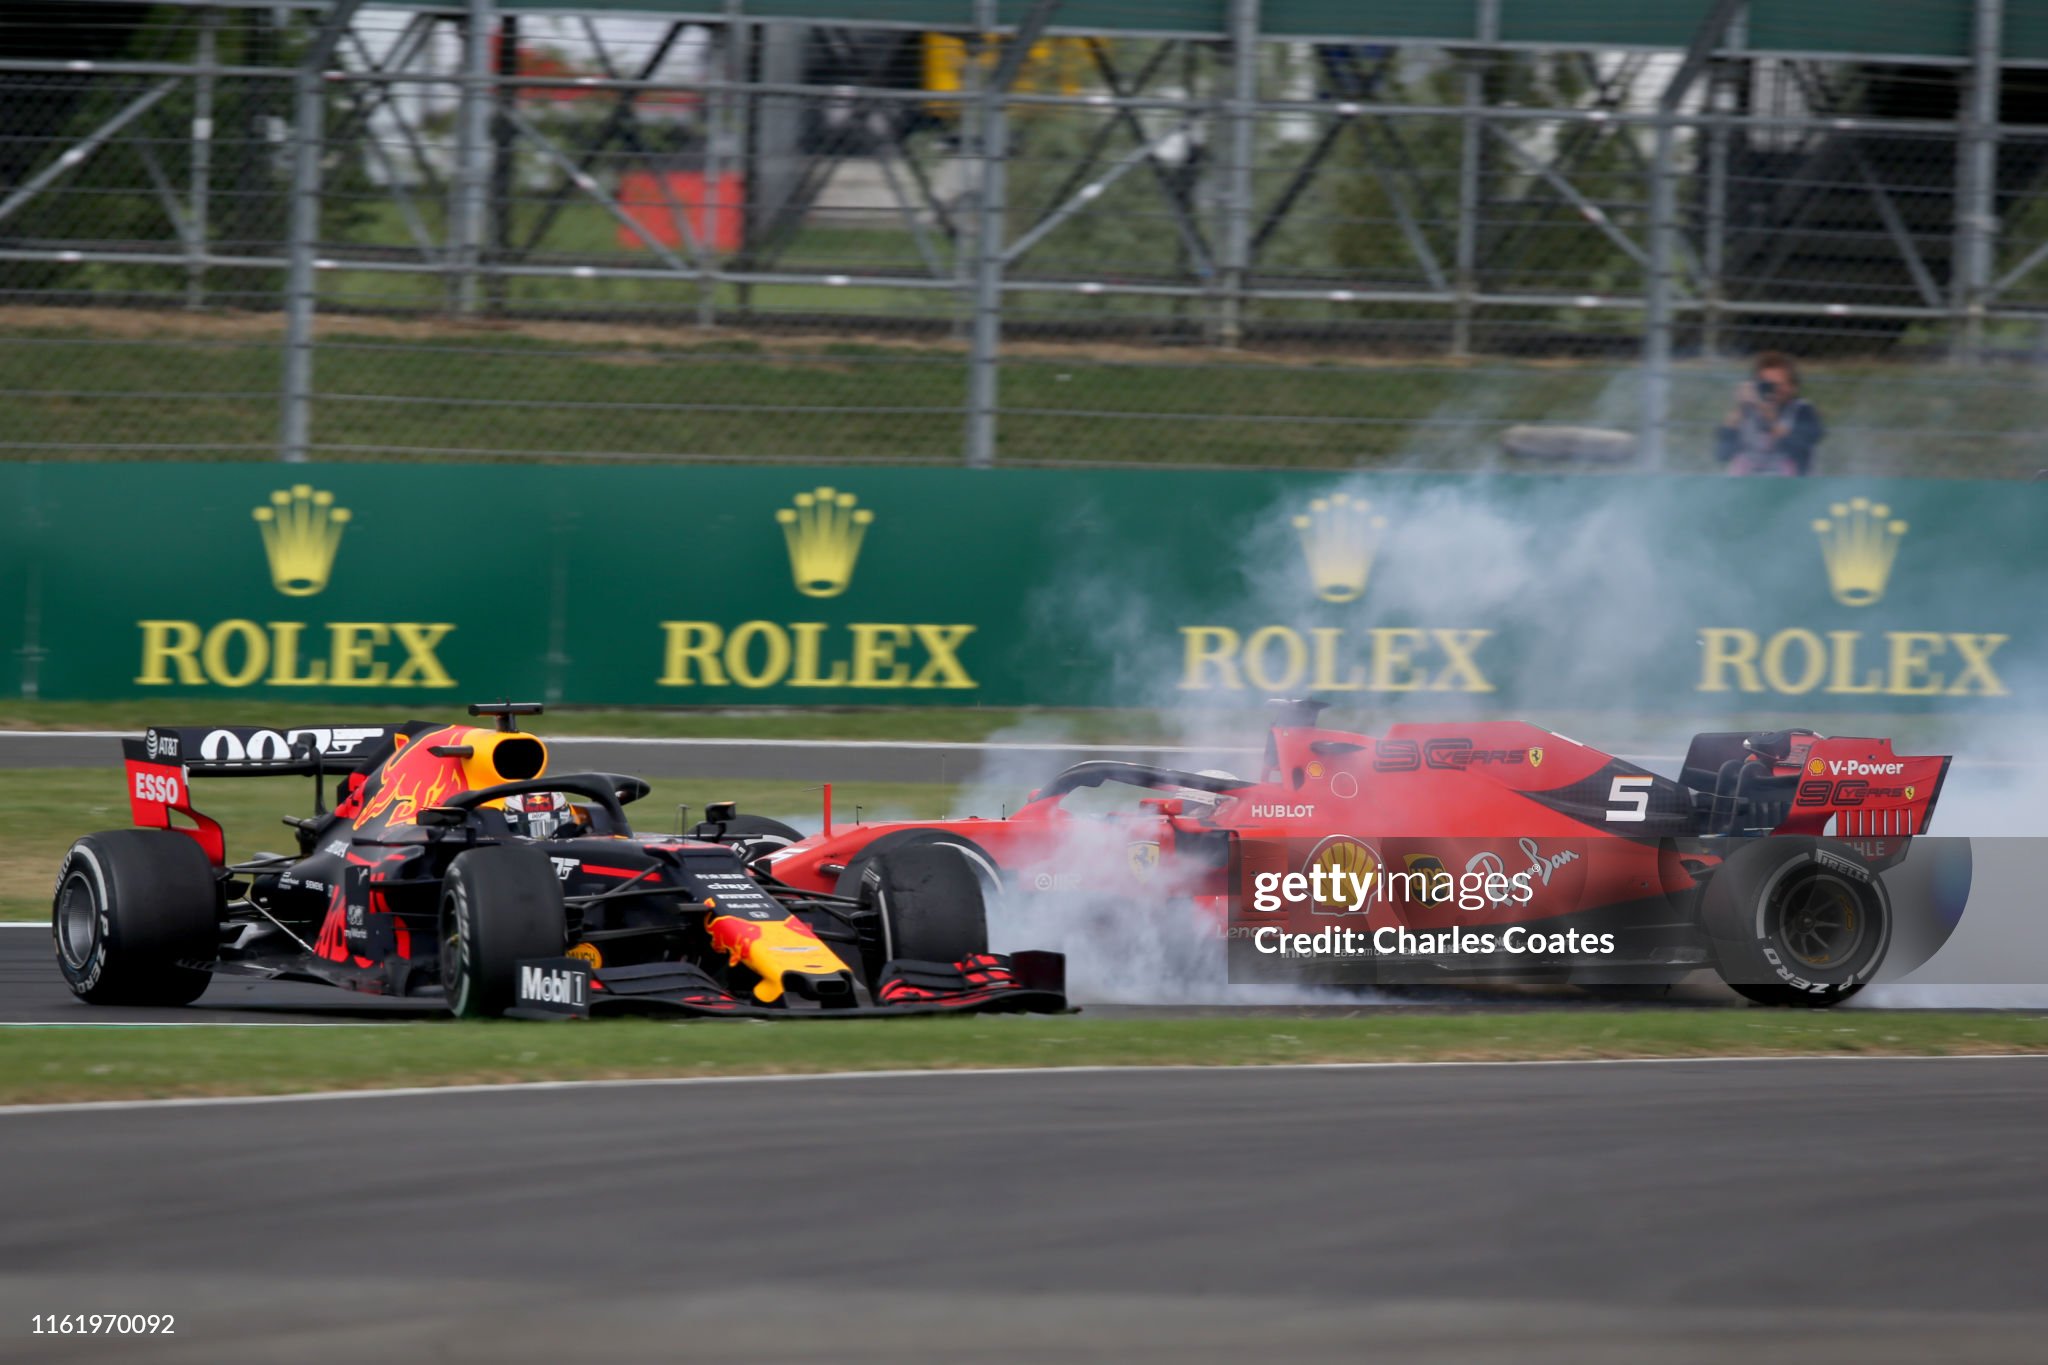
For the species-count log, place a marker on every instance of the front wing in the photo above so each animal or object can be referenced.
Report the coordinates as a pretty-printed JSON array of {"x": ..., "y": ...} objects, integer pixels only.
[{"x": 988, "y": 983}]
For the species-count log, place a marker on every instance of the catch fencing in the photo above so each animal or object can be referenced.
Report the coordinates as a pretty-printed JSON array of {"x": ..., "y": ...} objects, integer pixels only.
[{"x": 1131, "y": 231}]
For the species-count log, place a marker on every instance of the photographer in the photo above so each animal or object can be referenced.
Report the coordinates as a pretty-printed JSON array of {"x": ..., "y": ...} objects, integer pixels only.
[{"x": 1770, "y": 429}]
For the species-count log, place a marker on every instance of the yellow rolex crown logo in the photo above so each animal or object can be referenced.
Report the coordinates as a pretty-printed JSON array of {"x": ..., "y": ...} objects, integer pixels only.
[
  {"x": 301, "y": 532},
  {"x": 1339, "y": 536},
  {"x": 824, "y": 530},
  {"x": 1858, "y": 540}
]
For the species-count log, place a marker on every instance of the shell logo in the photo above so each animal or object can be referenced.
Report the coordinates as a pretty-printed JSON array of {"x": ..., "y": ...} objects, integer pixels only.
[
  {"x": 1816, "y": 767},
  {"x": 1355, "y": 861}
]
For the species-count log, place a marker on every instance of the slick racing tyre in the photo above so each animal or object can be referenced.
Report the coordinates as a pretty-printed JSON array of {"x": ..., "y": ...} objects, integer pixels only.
[
  {"x": 1796, "y": 921},
  {"x": 498, "y": 905},
  {"x": 927, "y": 898},
  {"x": 756, "y": 836},
  {"x": 986, "y": 870},
  {"x": 132, "y": 908}
]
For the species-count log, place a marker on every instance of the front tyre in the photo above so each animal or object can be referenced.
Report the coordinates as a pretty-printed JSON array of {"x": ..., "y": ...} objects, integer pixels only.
[
  {"x": 499, "y": 905},
  {"x": 1797, "y": 921},
  {"x": 987, "y": 872},
  {"x": 929, "y": 900},
  {"x": 133, "y": 908}
]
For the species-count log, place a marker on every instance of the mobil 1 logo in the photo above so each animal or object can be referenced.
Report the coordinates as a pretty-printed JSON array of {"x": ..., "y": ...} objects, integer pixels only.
[{"x": 552, "y": 988}]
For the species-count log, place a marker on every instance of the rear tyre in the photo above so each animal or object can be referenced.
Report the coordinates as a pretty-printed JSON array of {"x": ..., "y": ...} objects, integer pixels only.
[
  {"x": 756, "y": 836},
  {"x": 927, "y": 898},
  {"x": 498, "y": 906},
  {"x": 132, "y": 908},
  {"x": 1796, "y": 922}
]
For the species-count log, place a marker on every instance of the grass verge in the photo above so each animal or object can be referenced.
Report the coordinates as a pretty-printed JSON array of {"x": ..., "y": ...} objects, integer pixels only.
[
  {"x": 51, "y": 1065},
  {"x": 117, "y": 383}
]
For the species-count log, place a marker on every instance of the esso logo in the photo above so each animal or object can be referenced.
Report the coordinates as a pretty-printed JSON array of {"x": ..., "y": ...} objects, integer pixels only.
[{"x": 162, "y": 787}]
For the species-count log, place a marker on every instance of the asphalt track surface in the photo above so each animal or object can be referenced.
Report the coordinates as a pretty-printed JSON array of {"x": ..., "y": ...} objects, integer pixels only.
[
  {"x": 32, "y": 991},
  {"x": 1796, "y": 1211}
]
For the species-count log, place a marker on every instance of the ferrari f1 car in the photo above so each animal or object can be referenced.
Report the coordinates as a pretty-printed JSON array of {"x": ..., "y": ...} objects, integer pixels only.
[
  {"x": 454, "y": 865},
  {"x": 1765, "y": 859}
]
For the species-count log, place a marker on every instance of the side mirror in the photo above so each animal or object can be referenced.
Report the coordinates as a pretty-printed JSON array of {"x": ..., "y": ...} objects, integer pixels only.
[
  {"x": 441, "y": 817},
  {"x": 1168, "y": 806},
  {"x": 721, "y": 812}
]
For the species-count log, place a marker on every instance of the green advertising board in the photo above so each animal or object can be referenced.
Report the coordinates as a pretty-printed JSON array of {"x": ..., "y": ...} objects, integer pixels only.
[{"x": 793, "y": 586}]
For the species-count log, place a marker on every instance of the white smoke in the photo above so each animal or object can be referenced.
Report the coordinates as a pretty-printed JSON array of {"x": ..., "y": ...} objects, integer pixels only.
[
  {"x": 1997, "y": 958},
  {"x": 1450, "y": 558}
]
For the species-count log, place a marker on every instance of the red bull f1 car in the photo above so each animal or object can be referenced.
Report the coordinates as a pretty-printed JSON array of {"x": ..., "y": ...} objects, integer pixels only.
[
  {"x": 1765, "y": 859},
  {"x": 455, "y": 865}
]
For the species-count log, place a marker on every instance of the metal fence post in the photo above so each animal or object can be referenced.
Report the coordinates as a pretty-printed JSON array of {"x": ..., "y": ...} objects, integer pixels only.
[
  {"x": 719, "y": 148},
  {"x": 1657, "y": 303},
  {"x": 1714, "y": 255},
  {"x": 298, "y": 300},
  {"x": 1471, "y": 147},
  {"x": 1239, "y": 191},
  {"x": 1663, "y": 267},
  {"x": 985, "y": 334},
  {"x": 985, "y": 345},
  {"x": 472, "y": 155},
  {"x": 504, "y": 164},
  {"x": 207, "y": 58},
  {"x": 1977, "y": 171},
  {"x": 308, "y": 123}
]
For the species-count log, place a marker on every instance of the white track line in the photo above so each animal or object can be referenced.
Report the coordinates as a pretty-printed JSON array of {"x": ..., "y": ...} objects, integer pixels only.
[
  {"x": 200, "y": 1023},
  {"x": 667, "y": 1082},
  {"x": 70, "y": 734}
]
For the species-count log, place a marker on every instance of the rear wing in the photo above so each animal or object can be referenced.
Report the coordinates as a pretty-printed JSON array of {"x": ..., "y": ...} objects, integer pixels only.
[
  {"x": 1801, "y": 782},
  {"x": 161, "y": 765},
  {"x": 253, "y": 751}
]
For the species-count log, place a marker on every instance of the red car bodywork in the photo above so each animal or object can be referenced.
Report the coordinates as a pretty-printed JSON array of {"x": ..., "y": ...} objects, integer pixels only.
[{"x": 1604, "y": 841}]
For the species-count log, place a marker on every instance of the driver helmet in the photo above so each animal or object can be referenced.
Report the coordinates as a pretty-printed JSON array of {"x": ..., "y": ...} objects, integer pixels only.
[{"x": 537, "y": 815}]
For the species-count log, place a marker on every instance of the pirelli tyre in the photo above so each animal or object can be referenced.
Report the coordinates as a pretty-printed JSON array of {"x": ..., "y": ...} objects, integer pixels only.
[
  {"x": 928, "y": 902},
  {"x": 133, "y": 911},
  {"x": 1796, "y": 921},
  {"x": 499, "y": 905},
  {"x": 756, "y": 836},
  {"x": 989, "y": 873}
]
